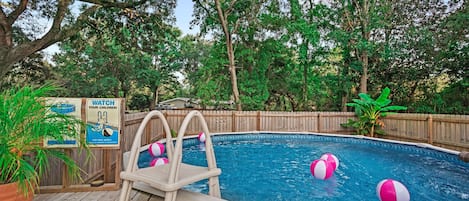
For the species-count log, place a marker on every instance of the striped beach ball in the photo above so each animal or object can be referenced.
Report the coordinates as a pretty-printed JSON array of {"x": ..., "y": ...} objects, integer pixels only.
[
  {"x": 391, "y": 190},
  {"x": 201, "y": 137},
  {"x": 159, "y": 161},
  {"x": 333, "y": 160},
  {"x": 321, "y": 169},
  {"x": 156, "y": 149}
]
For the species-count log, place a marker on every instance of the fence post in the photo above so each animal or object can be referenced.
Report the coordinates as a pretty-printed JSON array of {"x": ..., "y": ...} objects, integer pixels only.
[
  {"x": 430, "y": 129},
  {"x": 233, "y": 121},
  {"x": 148, "y": 130},
  {"x": 165, "y": 114},
  {"x": 65, "y": 175},
  {"x": 258, "y": 121},
  {"x": 107, "y": 165},
  {"x": 319, "y": 122}
]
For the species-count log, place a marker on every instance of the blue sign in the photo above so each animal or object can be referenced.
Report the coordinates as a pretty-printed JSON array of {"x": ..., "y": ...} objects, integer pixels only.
[{"x": 103, "y": 122}]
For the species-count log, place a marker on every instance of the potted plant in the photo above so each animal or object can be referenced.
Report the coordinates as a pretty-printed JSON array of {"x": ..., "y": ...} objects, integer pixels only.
[
  {"x": 369, "y": 111},
  {"x": 25, "y": 120}
]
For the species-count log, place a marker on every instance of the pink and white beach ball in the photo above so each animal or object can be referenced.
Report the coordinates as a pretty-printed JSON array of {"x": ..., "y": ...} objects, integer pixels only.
[
  {"x": 159, "y": 161},
  {"x": 333, "y": 160},
  {"x": 391, "y": 190},
  {"x": 201, "y": 137},
  {"x": 156, "y": 149},
  {"x": 321, "y": 169}
]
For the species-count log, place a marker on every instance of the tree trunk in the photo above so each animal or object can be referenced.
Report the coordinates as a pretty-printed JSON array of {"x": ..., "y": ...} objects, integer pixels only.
[
  {"x": 344, "y": 102},
  {"x": 154, "y": 98},
  {"x": 231, "y": 56},
  {"x": 364, "y": 21},
  {"x": 364, "y": 76},
  {"x": 234, "y": 79},
  {"x": 116, "y": 91},
  {"x": 305, "y": 87}
]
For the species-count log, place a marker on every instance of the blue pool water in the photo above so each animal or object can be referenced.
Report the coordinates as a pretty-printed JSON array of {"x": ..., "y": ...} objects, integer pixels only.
[{"x": 269, "y": 167}]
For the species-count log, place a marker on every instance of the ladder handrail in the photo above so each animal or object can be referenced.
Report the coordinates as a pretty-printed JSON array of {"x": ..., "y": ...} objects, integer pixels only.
[
  {"x": 135, "y": 150},
  {"x": 175, "y": 163}
]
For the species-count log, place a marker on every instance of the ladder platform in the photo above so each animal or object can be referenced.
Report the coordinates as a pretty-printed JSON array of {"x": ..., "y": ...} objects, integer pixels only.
[{"x": 158, "y": 176}]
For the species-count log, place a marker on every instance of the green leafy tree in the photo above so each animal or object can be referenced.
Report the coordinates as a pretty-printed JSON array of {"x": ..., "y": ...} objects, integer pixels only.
[
  {"x": 162, "y": 46},
  {"x": 226, "y": 16},
  {"x": 139, "y": 101},
  {"x": 33, "y": 71},
  {"x": 27, "y": 15},
  {"x": 119, "y": 51},
  {"x": 193, "y": 51},
  {"x": 212, "y": 80}
]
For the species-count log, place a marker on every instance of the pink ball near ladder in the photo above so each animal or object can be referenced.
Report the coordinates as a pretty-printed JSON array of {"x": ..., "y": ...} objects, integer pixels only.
[
  {"x": 201, "y": 137},
  {"x": 156, "y": 149},
  {"x": 159, "y": 161}
]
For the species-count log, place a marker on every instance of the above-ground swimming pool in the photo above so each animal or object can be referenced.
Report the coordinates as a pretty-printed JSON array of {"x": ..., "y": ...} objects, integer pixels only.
[{"x": 270, "y": 166}]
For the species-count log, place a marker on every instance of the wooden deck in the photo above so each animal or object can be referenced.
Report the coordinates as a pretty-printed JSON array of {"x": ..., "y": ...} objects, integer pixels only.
[{"x": 95, "y": 196}]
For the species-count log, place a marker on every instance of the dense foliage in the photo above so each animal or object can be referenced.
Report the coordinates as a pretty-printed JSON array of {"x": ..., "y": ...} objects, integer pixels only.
[{"x": 286, "y": 54}]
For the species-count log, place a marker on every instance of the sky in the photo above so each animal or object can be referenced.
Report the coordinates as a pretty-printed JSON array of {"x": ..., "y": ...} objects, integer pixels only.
[{"x": 183, "y": 12}]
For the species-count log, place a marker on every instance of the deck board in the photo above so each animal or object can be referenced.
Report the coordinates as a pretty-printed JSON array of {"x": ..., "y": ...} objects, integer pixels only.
[
  {"x": 135, "y": 195},
  {"x": 45, "y": 197},
  {"x": 95, "y": 196}
]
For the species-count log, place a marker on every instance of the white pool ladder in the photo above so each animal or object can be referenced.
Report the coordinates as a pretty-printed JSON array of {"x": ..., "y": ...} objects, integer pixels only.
[{"x": 171, "y": 177}]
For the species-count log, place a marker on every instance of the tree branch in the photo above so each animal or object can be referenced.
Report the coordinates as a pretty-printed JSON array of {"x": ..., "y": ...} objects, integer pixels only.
[
  {"x": 17, "y": 12},
  {"x": 62, "y": 8},
  {"x": 230, "y": 9},
  {"x": 3, "y": 19},
  {"x": 51, "y": 37},
  {"x": 73, "y": 29},
  {"x": 235, "y": 27},
  {"x": 107, "y": 3},
  {"x": 205, "y": 9},
  {"x": 223, "y": 22}
]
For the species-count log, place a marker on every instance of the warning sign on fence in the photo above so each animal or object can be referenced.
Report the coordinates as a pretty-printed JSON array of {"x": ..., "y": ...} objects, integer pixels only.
[
  {"x": 67, "y": 106},
  {"x": 103, "y": 122}
]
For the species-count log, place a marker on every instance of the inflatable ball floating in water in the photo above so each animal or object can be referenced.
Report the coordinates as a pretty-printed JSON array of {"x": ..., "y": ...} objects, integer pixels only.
[
  {"x": 156, "y": 149},
  {"x": 201, "y": 137},
  {"x": 333, "y": 160},
  {"x": 159, "y": 161},
  {"x": 321, "y": 169},
  {"x": 391, "y": 190}
]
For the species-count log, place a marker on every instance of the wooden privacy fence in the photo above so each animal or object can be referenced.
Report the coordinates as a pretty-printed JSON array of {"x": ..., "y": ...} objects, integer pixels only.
[
  {"x": 449, "y": 131},
  {"x": 239, "y": 121}
]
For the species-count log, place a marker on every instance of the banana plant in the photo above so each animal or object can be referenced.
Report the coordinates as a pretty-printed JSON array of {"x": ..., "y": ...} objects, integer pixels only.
[{"x": 369, "y": 111}]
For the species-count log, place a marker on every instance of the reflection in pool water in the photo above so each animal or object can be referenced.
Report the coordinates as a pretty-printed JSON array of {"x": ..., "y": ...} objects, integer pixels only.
[{"x": 276, "y": 167}]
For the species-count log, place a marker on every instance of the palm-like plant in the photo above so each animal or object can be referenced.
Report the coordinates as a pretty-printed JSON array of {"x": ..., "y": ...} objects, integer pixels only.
[
  {"x": 25, "y": 120},
  {"x": 369, "y": 111}
]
